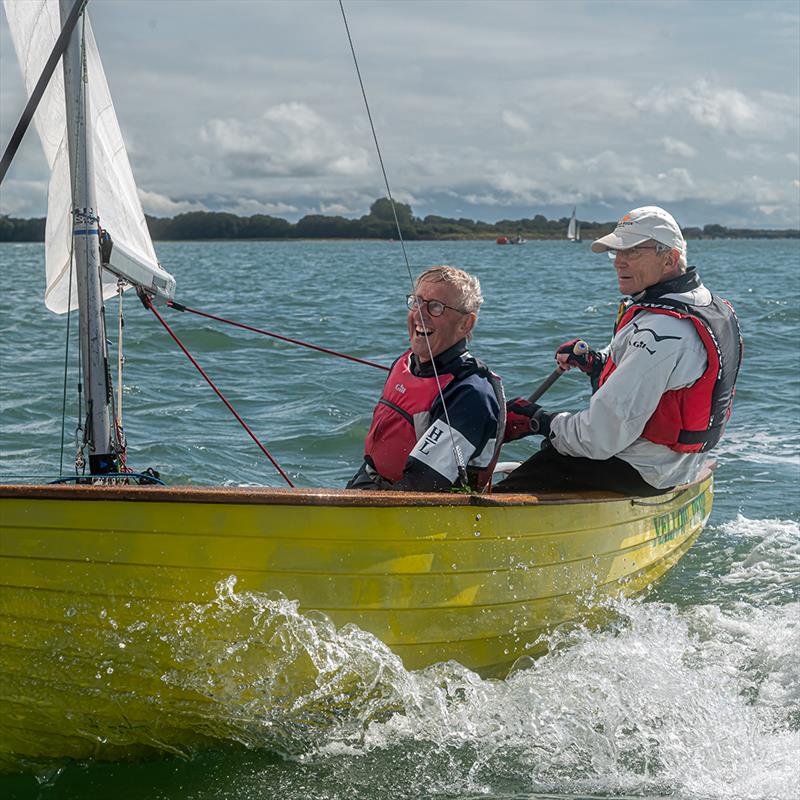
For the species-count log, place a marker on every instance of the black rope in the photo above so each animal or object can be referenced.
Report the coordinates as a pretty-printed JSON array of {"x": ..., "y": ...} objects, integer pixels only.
[
  {"x": 36, "y": 95},
  {"x": 377, "y": 146}
]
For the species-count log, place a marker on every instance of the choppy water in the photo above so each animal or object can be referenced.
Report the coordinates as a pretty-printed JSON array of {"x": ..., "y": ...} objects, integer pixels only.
[{"x": 692, "y": 693}]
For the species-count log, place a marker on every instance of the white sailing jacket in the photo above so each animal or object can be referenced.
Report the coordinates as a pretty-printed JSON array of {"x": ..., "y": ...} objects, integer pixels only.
[{"x": 654, "y": 353}]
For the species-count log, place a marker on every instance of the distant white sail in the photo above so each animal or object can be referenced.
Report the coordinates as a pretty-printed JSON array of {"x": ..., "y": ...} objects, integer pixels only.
[
  {"x": 35, "y": 26},
  {"x": 571, "y": 228}
]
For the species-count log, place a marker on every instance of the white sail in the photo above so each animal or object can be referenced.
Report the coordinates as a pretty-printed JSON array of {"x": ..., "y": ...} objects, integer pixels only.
[
  {"x": 571, "y": 228},
  {"x": 35, "y": 26}
]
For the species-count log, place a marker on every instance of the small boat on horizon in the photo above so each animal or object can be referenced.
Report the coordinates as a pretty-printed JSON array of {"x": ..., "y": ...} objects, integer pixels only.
[{"x": 574, "y": 227}]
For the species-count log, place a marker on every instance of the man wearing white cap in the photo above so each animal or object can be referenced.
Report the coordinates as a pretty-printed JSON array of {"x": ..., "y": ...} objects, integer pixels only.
[{"x": 662, "y": 389}]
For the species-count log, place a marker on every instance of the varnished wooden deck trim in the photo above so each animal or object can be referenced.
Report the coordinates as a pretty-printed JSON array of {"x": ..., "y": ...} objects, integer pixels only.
[{"x": 312, "y": 497}]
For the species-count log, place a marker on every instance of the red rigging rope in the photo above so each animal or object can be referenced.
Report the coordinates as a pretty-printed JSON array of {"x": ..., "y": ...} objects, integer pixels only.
[
  {"x": 181, "y": 307},
  {"x": 146, "y": 302}
]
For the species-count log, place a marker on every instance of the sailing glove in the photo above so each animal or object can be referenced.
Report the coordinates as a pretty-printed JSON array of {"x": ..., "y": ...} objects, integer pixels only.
[
  {"x": 585, "y": 361},
  {"x": 524, "y": 418}
]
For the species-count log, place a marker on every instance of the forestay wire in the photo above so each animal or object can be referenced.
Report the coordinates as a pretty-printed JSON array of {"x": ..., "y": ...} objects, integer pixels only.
[{"x": 456, "y": 449}]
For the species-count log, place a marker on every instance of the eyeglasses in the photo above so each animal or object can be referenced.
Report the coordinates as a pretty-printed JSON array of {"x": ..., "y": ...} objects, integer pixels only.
[
  {"x": 632, "y": 253},
  {"x": 435, "y": 307}
]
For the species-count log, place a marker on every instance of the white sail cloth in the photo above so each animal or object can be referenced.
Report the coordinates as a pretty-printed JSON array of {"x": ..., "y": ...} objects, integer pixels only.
[
  {"x": 35, "y": 26},
  {"x": 571, "y": 228}
]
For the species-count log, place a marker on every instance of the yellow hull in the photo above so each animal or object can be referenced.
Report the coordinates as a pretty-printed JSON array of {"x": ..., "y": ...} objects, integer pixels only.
[{"x": 114, "y": 602}]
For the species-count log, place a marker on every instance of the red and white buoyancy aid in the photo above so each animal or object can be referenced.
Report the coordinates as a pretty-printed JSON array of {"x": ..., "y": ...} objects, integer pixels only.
[
  {"x": 692, "y": 419},
  {"x": 401, "y": 416}
]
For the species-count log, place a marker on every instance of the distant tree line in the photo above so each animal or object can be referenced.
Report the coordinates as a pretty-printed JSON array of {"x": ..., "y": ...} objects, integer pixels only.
[
  {"x": 378, "y": 224},
  {"x": 21, "y": 230}
]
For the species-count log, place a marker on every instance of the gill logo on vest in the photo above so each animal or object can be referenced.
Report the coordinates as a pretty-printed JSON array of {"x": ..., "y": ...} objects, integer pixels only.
[
  {"x": 400, "y": 388},
  {"x": 642, "y": 346},
  {"x": 637, "y": 329}
]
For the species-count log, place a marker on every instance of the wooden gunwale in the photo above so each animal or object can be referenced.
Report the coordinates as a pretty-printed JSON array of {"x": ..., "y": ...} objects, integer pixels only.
[{"x": 318, "y": 497}]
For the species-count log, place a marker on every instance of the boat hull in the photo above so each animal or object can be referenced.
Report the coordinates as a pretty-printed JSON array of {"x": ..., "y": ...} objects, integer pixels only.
[{"x": 114, "y": 600}]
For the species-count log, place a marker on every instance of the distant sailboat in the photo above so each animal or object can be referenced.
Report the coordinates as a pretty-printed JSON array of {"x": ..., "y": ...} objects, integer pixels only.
[{"x": 574, "y": 228}]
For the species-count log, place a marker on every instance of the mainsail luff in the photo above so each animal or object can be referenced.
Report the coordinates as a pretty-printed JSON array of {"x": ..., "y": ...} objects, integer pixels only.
[
  {"x": 86, "y": 249},
  {"x": 34, "y": 28}
]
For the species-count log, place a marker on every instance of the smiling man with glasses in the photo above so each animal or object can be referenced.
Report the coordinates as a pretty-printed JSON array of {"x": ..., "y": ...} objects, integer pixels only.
[
  {"x": 440, "y": 418},
  {"x": 662, "y": 389}
]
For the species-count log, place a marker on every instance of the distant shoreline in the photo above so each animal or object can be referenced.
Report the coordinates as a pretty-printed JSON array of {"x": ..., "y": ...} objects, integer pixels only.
[
  {"x": 788, "y": 236},
  {"x": 379, "y": 224}
]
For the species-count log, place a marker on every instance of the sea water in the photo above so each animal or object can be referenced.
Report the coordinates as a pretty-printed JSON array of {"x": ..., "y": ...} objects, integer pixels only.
[{"x": 692, "y": 692}]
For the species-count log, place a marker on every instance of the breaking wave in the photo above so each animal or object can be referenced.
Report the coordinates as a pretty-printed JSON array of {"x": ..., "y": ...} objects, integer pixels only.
[{"x": 695, "y": 702}]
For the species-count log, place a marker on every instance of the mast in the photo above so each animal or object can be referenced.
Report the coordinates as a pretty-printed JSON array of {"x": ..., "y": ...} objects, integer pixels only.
[{"x": 86, "y": 229}]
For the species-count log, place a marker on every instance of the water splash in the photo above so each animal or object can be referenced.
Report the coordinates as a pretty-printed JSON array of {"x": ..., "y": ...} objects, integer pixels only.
[
  {"x": 280, "y": 679},
  {"x": 697, "y": 703},
  {"x": 663, "y": 703},
  {"x": 769, "y": 572}
]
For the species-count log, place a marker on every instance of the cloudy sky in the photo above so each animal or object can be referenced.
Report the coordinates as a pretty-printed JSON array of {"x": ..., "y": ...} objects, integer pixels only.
[{"x": 487, "y": 109}]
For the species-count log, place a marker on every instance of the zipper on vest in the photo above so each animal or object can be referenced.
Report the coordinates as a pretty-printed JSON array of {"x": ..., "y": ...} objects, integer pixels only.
[{"x": 401, "y": 411}]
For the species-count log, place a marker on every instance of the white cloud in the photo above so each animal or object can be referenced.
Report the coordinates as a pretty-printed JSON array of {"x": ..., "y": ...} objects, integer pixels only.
[
  {"x": 722, "y": 109},
  {"x": 566, "y": 164},
  {"x": 750, "y": 153},
  {"x": 337, "y": 209},
  {"x": 159, "y": 205},
  {"x": 271, "y": 123},
  {"x": 247, "y": 206},
  {"x": 515, "y": 121},
  {"x": 289, "y": 139},
  {"x": 676, "y": 147},
  {"x": 354, "y": 165},
  {"x": 23, "y": 198},
  {"x": 483, "y": 199}
]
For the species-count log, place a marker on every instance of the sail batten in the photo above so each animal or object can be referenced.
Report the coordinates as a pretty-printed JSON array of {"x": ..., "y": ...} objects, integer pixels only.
[{"x": 34, "y": 29}]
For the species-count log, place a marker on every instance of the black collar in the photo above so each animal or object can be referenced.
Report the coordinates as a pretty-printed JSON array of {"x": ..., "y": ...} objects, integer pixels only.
[
  {"x": 684, "y": 282},
  {"x": 424, "y": 369}
]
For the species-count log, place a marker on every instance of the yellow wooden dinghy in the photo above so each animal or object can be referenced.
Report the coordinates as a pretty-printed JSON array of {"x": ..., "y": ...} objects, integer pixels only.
[
  {"x": 96, "y": 583},
  {"x": 120, "y": 631}
]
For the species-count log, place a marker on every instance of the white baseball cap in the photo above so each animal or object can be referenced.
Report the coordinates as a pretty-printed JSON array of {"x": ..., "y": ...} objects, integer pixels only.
[{"x": 642, "y": 225}]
